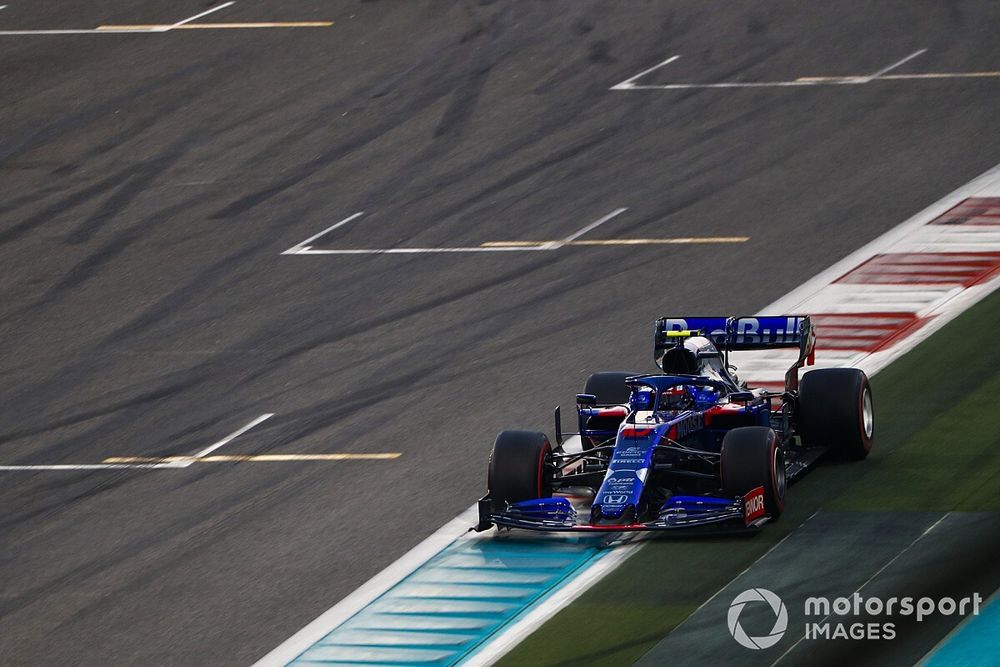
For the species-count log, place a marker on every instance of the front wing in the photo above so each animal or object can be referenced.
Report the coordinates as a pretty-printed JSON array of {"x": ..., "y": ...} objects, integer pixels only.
[{"x": 557, "y": 514}]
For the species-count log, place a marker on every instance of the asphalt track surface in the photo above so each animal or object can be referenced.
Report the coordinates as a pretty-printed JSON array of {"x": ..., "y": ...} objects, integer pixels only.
[{"x": 150, "y": 182}]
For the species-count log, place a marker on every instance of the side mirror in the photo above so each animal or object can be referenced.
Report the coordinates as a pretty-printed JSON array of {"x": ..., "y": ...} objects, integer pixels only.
[
  {"x": 740, "y": 396},
  {"x": 558, "y": 416},
  {"x": 586, "y": 399}
]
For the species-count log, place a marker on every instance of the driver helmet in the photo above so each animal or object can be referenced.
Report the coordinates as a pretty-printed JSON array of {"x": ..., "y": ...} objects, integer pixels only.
[
  {"x": 681, "y": 359},
  {"x": 677, "y": 397},
  {"x": 641, "y": 399},
  {"x": 696, "y": 355}
]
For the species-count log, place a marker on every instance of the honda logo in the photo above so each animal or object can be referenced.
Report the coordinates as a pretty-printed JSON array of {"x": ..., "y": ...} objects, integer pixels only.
[{"x": 614, "y": 499}]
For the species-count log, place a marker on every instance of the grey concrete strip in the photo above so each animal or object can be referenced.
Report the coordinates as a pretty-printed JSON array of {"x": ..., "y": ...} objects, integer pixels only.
[
  {"x": 832, "y": 555},
  {"x": 957, "y": 560}
]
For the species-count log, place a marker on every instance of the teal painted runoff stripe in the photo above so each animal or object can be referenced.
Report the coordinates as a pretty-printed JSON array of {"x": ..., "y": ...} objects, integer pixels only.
[
  {"x": 975, "y": 642},
  {"x": 444, "y": 610}
]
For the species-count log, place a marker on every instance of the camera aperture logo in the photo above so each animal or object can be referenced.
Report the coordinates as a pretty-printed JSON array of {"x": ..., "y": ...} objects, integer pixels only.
[
  {"x": 780, "y": 618},
  {"x": 854, "y": 617}
]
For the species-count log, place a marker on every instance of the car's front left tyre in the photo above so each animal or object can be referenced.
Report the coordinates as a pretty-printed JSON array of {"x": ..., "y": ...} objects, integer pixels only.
[
  {"x": 610, "y": 389},
  {"x": 519, "y": 468}
]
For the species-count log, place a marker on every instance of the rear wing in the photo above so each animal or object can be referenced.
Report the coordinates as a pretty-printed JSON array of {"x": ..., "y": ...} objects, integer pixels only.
[{"x": 733, "y": 334}]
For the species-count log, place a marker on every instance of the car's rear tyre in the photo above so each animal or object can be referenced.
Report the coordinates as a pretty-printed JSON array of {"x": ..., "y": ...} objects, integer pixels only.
[
  {"x": 519, "y": 468},
  {"x": 609, "y": 387},
  {"x": 835, "y": 410},
  {"x": 751, "y": 457}
]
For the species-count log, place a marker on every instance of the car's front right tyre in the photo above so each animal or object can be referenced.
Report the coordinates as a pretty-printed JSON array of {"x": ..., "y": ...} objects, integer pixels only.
[{"x": 751, "y": 458}]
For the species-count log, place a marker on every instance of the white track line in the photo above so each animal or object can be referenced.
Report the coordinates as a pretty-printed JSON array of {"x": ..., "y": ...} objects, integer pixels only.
[
  {"x": 165, "y": 28},
  {"x": 627, "y": 83},
  {"x": 304, "y": 249},
  {"x": 589, "y": 228},
  {"x": 177, "y": 462},
  {"x": 174, "y": 462},
  {"x": 86, "y": 466},
  {"x": 749, "y": 84},
  {"x": 409, "y": 251},
  {"x": 255, "y": 458},
  {"x": 798, "y": 83},
  {"x": 869, "y": 580},
  {"x": 229, "y": 438},
  {"x": 76, "y": 32},
  {"x": 193, "y": 18},
  {"x": 898, "y": 63}
]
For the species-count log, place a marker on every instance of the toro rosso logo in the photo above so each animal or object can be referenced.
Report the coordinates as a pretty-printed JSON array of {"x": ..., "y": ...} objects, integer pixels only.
[{"x": 753, "y": 505}]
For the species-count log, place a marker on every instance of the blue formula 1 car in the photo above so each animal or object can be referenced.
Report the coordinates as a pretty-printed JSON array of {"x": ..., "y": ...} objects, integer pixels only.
[{"x": 691, "y": 446}]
